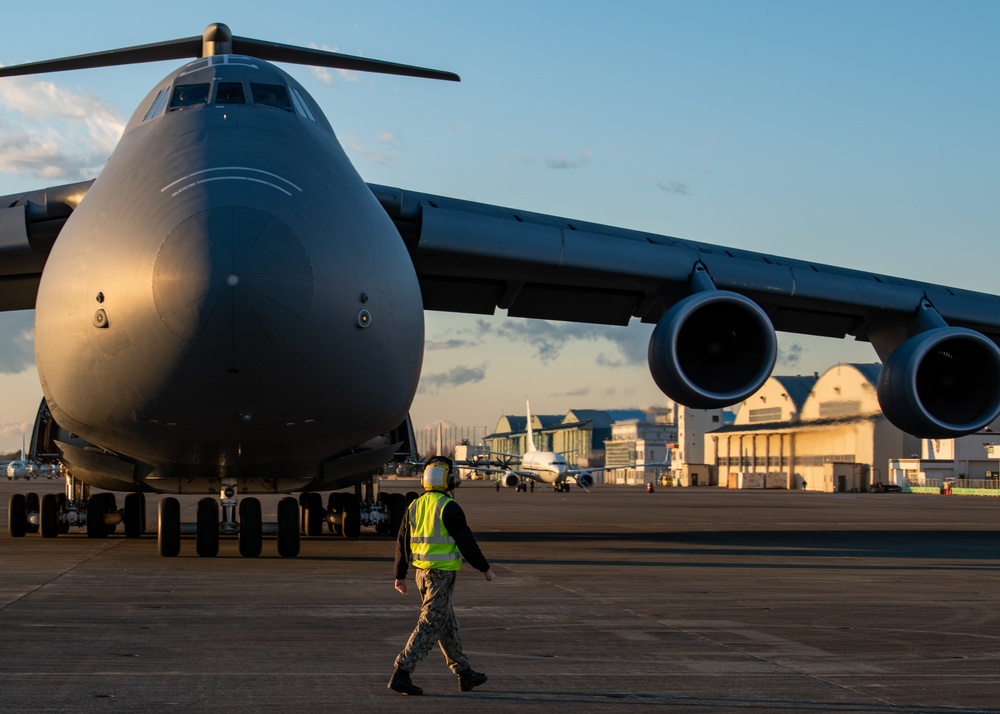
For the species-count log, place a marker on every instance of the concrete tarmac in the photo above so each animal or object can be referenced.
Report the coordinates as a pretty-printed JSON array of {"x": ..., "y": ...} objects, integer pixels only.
[{"x": 687, "y": 600}]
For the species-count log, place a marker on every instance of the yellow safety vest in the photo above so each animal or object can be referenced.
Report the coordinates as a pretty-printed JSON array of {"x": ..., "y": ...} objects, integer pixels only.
[{"x": 430, "y": 543}]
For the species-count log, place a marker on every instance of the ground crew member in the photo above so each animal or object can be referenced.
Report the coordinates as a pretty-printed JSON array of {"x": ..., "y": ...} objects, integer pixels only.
[{"x": 435, "y": 536}]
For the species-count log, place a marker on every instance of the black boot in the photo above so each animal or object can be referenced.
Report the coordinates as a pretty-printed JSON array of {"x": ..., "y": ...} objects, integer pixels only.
[
  {"x": 469, "y": 679},
  {"x": 401, "y": 683}
]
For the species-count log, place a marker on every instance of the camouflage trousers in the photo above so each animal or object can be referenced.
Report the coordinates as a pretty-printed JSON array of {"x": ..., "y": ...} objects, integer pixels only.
[{"x": 437, "y": 623}]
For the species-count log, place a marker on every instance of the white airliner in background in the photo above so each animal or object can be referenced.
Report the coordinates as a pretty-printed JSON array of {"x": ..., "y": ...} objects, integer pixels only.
[{"x": 548, "y": 467}]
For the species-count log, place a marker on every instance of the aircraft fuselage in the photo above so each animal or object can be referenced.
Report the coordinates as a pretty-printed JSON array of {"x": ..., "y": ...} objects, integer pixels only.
[
  {"x": 548, "y": 465},
  {"x": 231, "y": 248}
]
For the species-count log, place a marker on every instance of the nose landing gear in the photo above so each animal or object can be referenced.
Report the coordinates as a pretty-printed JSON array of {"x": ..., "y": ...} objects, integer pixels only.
[{"x": 249, "y": 527}]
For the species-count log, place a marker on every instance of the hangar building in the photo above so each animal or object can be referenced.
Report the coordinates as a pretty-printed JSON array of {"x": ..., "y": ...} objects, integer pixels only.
[{"x": 823, "y": 433}]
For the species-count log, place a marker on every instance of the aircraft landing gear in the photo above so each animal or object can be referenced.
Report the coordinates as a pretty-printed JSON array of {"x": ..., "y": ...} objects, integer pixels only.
[
  {"x": 346, "y": 512},
  {"x": 55, "y": 513},
  {"x": 99, "y": 515},
  {"x": 249, "y": 528}
]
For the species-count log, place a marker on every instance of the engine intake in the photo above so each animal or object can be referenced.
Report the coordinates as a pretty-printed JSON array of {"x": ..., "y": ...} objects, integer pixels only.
[
  {"x": 712, "y": 349},
  {"x": 584, "y": 480},
  {"x": 941, "y": 383},
  {"x": 511, "y": 480}
]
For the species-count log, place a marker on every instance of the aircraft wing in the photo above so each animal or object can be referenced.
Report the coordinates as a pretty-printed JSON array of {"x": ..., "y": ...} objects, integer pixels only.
[
  {"x": 475, "y": 258},
  {"x": 716, "y": 309},
  {"x": 29, "y": 225}
]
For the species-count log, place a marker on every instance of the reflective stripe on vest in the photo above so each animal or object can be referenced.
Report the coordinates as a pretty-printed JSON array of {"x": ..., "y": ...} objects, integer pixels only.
[{"x": 430, "y": 543}]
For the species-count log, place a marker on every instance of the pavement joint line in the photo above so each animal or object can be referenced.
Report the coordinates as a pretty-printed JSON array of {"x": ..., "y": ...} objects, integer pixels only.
[
  {"x": 50, "y": 581},
  {"x": 788, "y": 668},
  {"x": 730, "y": 647},
  {"x": 724, "y": 645}
]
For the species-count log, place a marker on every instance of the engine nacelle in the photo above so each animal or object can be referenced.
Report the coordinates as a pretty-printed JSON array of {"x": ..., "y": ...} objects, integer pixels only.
[
  {"x": 511, "y": 480},
  {"x": 584, "y": 480},
  {"x": 941, "y": 383},
  {"x": 712, "y": 349}
]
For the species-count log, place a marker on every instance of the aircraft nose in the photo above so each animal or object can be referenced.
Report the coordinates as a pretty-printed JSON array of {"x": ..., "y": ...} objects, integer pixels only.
[{"x": 232, "y": 278}]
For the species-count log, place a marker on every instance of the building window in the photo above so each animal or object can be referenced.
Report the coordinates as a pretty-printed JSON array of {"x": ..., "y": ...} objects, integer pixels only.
[
  {"x": 759, "y": 416},
  {"x": 830, "y": 410}
]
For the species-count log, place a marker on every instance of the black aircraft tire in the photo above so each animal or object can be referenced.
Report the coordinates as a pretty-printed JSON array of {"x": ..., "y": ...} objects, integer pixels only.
[
  {"x": 312, "y": 514},
  {"x": 207, "y": 533},
  {"x": 17, "y": 522},
  {"x": 96, "y": 508},
  {"x": 397, "y": 509},
  {"x": 251, "y": 528},
  {"x": 289, "y": 539},
  {"x": 48, "y": 516},
  {"x": 31, "y": 505},
  {"x": 411, "y": 496},
  {"x": 168, "y": 532},
  {"x": 351, "y": 506},
  {"x": 134, "y": 515}
]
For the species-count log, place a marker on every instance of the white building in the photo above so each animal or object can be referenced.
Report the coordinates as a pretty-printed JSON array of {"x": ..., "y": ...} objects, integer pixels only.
[
  {"x": 968, "y": 463},
  {"x": 835, "y": 439},
  {"x": 642, "y": 450},
  {"x": 690, "y": 462}
]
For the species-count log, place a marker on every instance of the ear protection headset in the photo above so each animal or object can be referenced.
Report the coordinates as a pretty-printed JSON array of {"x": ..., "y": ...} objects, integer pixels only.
[{"x": 439, "y": 475}]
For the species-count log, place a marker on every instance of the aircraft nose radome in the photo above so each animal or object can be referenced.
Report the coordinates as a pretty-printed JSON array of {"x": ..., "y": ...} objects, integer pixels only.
[{"x": 232, "y": 278}]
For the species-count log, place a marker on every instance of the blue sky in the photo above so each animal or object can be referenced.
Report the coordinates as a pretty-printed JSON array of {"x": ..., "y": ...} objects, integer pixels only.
[{"x": 864, "y": 134}]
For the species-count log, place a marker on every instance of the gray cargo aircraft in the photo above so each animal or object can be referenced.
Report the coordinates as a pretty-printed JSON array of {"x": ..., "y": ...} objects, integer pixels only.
[{"x": 229, "y": 309}]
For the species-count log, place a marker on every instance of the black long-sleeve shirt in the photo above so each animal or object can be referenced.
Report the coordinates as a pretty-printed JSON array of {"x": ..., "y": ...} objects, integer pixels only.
[{"x": 453, "y": 518}]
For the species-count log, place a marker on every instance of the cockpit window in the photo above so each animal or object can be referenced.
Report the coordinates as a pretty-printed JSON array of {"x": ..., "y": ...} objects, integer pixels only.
[
  {"x": 230, "y": 93},
  {"x": 157, "y": 106},
  {"x": 271, "y": 95},
  {"x": 300, "y": 105},
  {"x": 189, "y": 95}
]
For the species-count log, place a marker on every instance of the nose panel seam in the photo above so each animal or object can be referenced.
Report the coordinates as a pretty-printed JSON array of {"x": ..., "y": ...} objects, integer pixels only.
[{"x": 232, "y": 278}]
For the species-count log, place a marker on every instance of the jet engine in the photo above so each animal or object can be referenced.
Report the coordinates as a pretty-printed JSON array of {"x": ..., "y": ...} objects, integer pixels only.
[
  {"x": 941, "y": 383},
  {"x": 511, "y": 480},
  {"x": 712, "y": 349},
  {"x": 584, "y": 480}
]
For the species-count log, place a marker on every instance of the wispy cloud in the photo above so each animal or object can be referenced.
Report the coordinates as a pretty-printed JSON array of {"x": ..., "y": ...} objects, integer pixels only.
[
  {"x": 790, "y": 356},
  {"x": 53, "y": 132},
  {"x": 387, "y": 154},
  {"x": 455, "y": 377},
  {"x": 674, "y": 187},
  {"x": 550, "y": 338},
  {"x": 329, "y": 76},
  {"x": 560, "y": 161},
  {"x": 17, "y": 348},
  {"x": 16, "y": 428},
  {"x": 454, "y": 344},
  {"x": 579, "y": 392}
]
